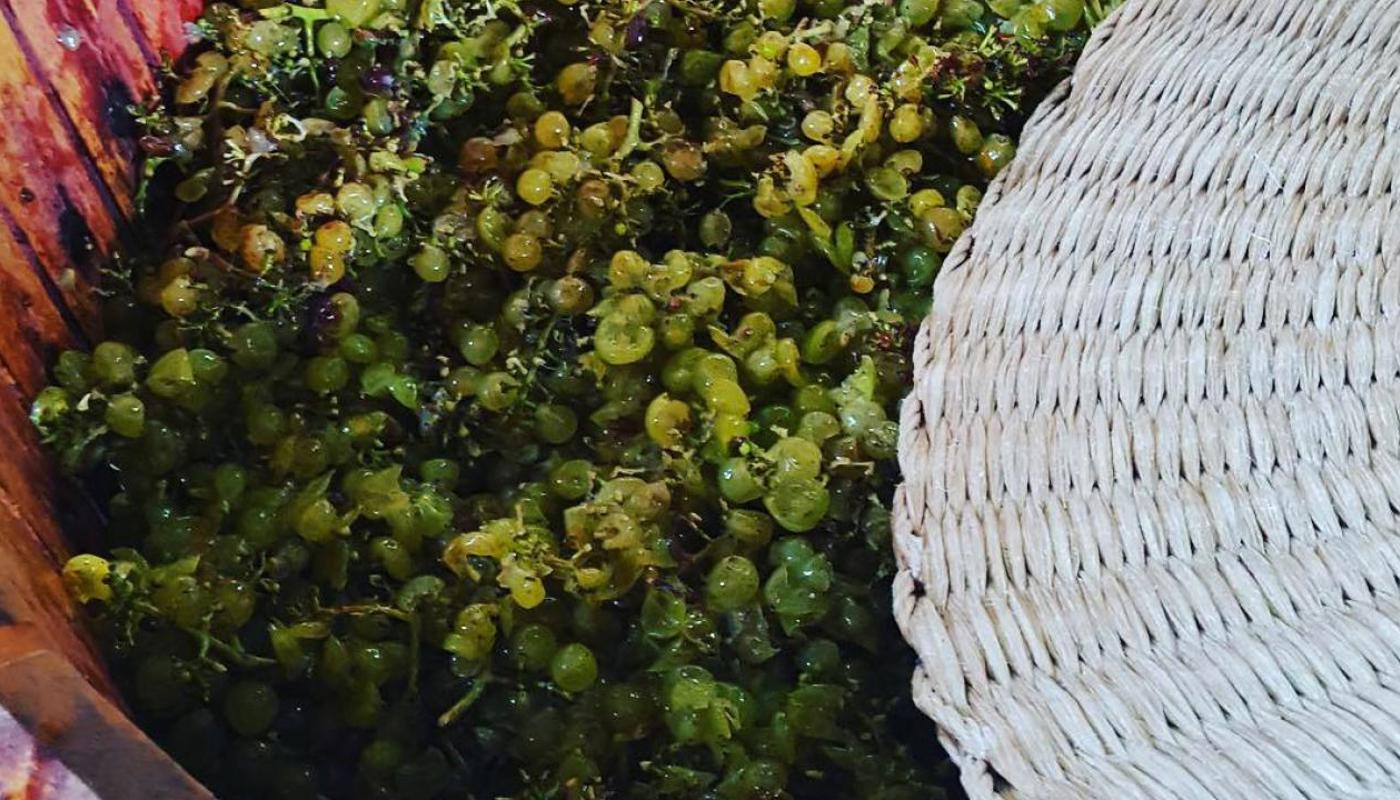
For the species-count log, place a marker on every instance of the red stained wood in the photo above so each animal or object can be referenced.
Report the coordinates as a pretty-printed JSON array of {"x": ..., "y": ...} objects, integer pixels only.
[
  {"x": 162, "y": 22},
  {"x": 32, "y": 326},
  {"x": 87, "y": 55},
  {"x": 68, "y": 69},
  {"x": 50, "y": 196}
]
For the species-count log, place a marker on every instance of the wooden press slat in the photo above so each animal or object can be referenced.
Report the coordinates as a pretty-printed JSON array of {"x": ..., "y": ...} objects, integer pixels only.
[
  {"x": 86, "y": 56},
  {"x": 51, "y": 198},
  {"x": 163, "y": 22},
  {"x": 67, "y": 176}
]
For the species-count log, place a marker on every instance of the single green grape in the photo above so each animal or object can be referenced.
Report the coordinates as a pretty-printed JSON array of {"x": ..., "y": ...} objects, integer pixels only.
[
  {"x": 532, "y": 647},
  {"x": 250, "y": 707},
  {"x": 126, "y": 415},
  {"x": 621, "y": 340},
  {"x": 497, "y": 391},
  {"x": 431, "y": 264},
  {"x": 573, "y": 668},
  {"x": 326, "y": 374},
  {"x": 254, "y": 346},
  {"x": 114, "y": 364},
  {"x": 797, "y": 504},
  {"x": 571, "y": 480},
  {"x": 736, "y": 482},
  {"x": 333, "y": 40},
  {"x": 731, "y": 584},
  {"x": 478, "y": 344}
]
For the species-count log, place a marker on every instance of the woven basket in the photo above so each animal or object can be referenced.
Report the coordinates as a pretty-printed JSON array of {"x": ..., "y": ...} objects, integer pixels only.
[{"x": 1148, "y": 535}]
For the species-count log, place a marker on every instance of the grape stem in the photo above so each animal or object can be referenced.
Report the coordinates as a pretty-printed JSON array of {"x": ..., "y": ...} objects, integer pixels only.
[
  {"x": 540, "y": 347},
  {"x": 634, "y": 131},
  {"x": 235, "y": 655},
  {"x": 473, "y": 694}
]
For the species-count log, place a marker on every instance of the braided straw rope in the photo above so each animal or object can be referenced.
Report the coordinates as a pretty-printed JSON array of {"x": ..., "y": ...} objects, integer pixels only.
[{"x": 1149, "y": 537}]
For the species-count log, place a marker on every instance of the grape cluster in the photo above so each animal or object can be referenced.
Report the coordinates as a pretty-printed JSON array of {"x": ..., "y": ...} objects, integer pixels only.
[{"x": 508, "y": 406}]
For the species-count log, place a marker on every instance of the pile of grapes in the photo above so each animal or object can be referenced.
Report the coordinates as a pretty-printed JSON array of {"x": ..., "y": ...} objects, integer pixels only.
[{"x": 504, "y": 404}]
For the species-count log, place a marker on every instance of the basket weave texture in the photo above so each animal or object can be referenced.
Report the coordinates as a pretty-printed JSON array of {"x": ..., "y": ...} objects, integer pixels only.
[{"x": 1149, "y": 536}]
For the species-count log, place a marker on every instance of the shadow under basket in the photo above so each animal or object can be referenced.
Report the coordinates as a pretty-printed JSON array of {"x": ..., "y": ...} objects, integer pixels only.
[{"x": 69, "y": 72}]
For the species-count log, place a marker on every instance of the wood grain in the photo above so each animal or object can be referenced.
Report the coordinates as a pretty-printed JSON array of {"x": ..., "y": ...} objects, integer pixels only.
[
  {"x": 71, "y": 728},
  {"x": 69, "y": 70}
]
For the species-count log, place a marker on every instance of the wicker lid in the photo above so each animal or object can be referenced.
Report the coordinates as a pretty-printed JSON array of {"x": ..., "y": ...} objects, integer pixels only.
[{"x": 1148, "y": 535}]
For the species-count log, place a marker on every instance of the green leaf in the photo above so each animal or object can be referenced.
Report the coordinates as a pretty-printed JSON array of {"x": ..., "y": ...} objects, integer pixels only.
[{"x": 859, "y": 42}]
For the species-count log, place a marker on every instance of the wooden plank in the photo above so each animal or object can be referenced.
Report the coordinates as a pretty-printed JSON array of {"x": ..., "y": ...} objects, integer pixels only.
[
  {"x": 163, "y": 22},
  {"x": 68, "y": 69},
  {"x": 80, "y": 729},
  {"x": 31, "y": 592},
  {"x": 33, "y": 329},
  {"x": 27, "y": 474},
  {"x": 88, "y": 61},
  {"x": 51, "y": 199}
]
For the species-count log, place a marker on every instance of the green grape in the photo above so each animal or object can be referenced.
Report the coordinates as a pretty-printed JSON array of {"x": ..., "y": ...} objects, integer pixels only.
[
  {"x": 798, "y": 504},
  {"x": 498, "y": 391},
  {"x": 628, "y": 710},
  {"x": 881, "y": 440},
  {"x": 736, "y": 482},
  {"x": 114, "y": 364},
  {"x": 254, "y": 346},
  {"x": 477, "y": 343},
  {"x": 326, "y": 374},
  {"x": 74, "y": 371},
  {"x": 316, "y": 521},
  {"x": 571, "y": 480},
  {"x": 333, "y": 40},
  {"x": 920, "y": 265},
  {"x": 230, "y": 480},
  {"x": 392, "y": 556},
  {"x": 620, "y": 340},
  {"x": 731, "y": 584},
  {"x": 960, "y": 14},
  {"x": 725, "y": 396},
  {"x": 818, "y": 426},
  {"x": 667, "y": 420},
  {"x": 393, "y": 346},
  {"x": 162, "y": 448},
  {"x": 967, "y": 137},
  {"x": 853, "y": 621},
  {"x": 250, "y": 707},
  {"x": 532, "y": 648},
  {"x": 265, "y": 423},
  {"x": 663, "y": 615},
  {"x": 749, "y": 528},
  {"x": 570, "y": 295},
  {"x": 818, "y": 660},
  {"x": 431, "y": 264},
  {"x": 442, "y": 472},
  {"x": 1064, "y": 15},
  {"x": 555, "y": 424},
  {"x": 794, "y": 458},
  {"x": 995, "y": 154},
  {"x": 126, "y": 415},
  {"x": 918, "y": 12},
  {"x": 172, "y": 375},
  {"x": 358, "y": 349},
  {"x": 860, "y": 415},
  {"x": 573, "y": 668},
  {"x": 50, "y": 406}
]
